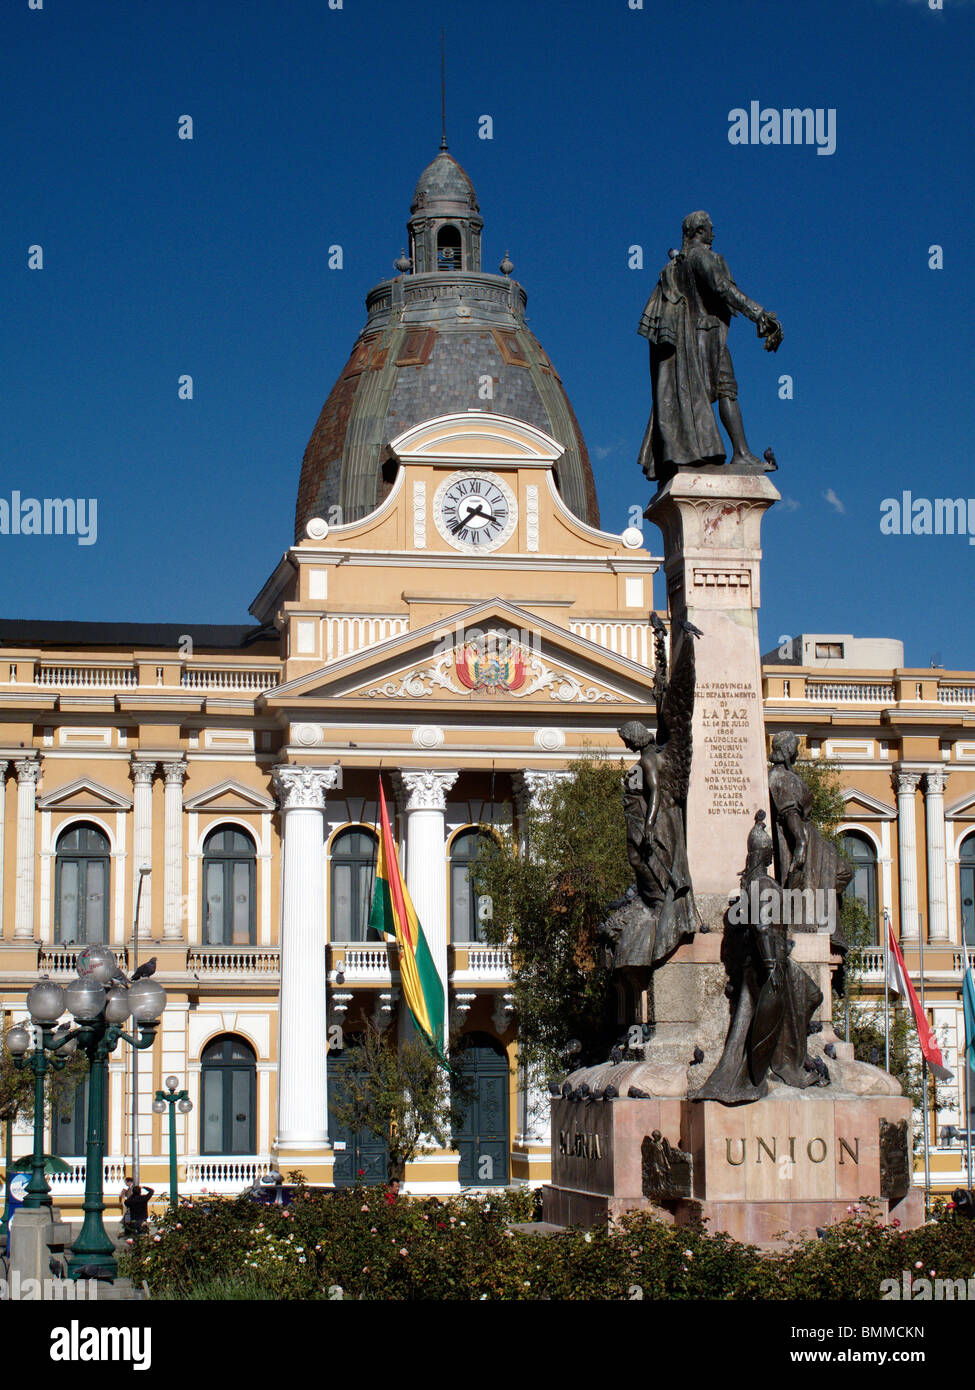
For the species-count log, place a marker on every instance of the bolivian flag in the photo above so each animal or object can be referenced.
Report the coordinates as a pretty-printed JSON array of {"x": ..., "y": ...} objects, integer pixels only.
[{"x": 393, "y": 914}]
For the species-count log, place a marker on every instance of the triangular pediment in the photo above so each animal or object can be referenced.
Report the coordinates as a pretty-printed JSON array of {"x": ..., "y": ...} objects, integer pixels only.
[
  {"x": 963, "y": 809},
  {"x": 84, "y": 794},
  {"x": 867, "y": 807},
  {"x": 491, "y": 651},
  {"x": 229, "y": 796}
]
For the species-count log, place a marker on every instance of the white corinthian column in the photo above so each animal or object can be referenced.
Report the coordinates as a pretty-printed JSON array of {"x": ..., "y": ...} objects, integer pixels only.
[
  {"x": 173, "y": 864},
  {"x": 934, "y": 819},
  {"x": 28, "y": 773},
  {"x": 426, "y": 878},
  {"x": 302, "y": 1074},
  {"x": 907, "y": 784},
  {"x": 142, "y": 772}
]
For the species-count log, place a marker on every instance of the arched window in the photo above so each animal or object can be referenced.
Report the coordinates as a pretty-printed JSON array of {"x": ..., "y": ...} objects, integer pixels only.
[
  {"x": 863, "y": 886},
  {"x": 228, "y": 1092},
  {"x": 967, "y": 865},
  {"x": 229, "y": 889},
  {"x": 82, "y": 863},
  {"x": 448, "y": 248},
  {"x": 469, "y": 914},
  {"x": 353, "y": 877}
]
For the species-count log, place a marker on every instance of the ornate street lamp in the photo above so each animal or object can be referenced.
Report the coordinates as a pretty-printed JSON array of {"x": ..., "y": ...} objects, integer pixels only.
[
  {"x": 45, "y": 1001},
  {"x": 99, "y": 1014},
  {"x": 175, "y": 1100}
]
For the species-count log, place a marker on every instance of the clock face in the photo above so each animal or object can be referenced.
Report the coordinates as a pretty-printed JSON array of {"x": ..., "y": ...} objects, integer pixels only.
[{"x": 475, "y": 512}]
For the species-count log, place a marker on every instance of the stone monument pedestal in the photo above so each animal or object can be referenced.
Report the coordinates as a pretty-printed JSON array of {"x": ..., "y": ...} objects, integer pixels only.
[
  {"x": 777, "y": 1167},
  {"x": 711, "y": 524}
]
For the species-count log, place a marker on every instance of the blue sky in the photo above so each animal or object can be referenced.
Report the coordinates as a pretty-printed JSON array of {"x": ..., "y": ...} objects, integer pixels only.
[{"x": 311, "y": 125}]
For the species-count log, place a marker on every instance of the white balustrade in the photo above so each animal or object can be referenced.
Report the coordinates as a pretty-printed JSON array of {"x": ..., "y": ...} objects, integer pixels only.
[
  {"x": 832, "y": 692},
  {"x": 366, "y": 963},
  {"x": 224, "y": 1176},
  {"x": 956, "y": 694},
  {"x": 234, "y": 960},
  {"x": 229, "y": 678},
  {"x": 87, "y": 677},
  {"x": 871, "y": 958},
  {"x": 62, "y": 960},
  {"x": 489, "y": 962},
  {"x": 63, "y": 1184}
]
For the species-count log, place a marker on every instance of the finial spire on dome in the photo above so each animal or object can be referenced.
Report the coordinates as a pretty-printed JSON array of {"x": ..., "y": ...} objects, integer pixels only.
[{"x": 443, "y": 91}]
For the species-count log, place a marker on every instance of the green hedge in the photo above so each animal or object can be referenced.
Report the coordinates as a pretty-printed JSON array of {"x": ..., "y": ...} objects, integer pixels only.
[{"x": 355, "y": 1244}]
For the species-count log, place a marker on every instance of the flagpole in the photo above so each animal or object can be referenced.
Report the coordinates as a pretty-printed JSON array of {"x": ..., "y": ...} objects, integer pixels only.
[
  {"x": 886, "y": 991},
  {"x": 924, "y": 1074},
  {"x": 967, "y": 1060}
]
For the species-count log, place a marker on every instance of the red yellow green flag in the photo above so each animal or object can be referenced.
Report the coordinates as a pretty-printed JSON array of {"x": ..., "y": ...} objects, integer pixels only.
[{"x": 393, "y": 914}]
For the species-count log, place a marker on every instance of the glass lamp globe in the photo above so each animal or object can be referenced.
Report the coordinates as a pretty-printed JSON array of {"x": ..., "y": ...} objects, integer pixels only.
[
  {"x": 85, "y": 998},
  {"x": 148, "y": 1001},
  {"x": 159, "y": 1107},
  {"x": 184, "y": 1106},
  {"x": 46, "y": 1002},
  {"x": 18, "y": 1040},
  {"x": 172, "y": 1083},
  {"x": 117, "y": 1005},
  {"x": 98, "y": 961}
]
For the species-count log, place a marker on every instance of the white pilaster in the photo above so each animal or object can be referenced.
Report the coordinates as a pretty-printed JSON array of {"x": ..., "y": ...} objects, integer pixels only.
[
  {"x": 302, "y": 1075},
  {"x": 934, "y": 819},
  {"x": 141, "y": 772},
  {"x": 907, "y": 784},
  {"x": 28, "y": 775},
  {"x": 175, "y": 773},
  {"x": 3, "y": 829},
  {"x": 426, "y": 873}
]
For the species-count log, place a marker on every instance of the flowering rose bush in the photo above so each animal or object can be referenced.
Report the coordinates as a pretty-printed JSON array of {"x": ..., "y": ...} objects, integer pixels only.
[{"x": 347, "y": 1244}]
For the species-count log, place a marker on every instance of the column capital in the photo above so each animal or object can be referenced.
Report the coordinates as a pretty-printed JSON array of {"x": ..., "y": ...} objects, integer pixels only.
[
  {"x": 533, "y": 785},
  {"x": 425, "y": 791},
  {"x": 907, "y": 782},
  {"x": 175, "y": 772},
  {"x": 935, "y": 781},
  {"x": 141, "y": 771},
  {"x": 28, "y": 769},
  {"x": 4, "y": 764},
  {"x": 303, "y": 788}
]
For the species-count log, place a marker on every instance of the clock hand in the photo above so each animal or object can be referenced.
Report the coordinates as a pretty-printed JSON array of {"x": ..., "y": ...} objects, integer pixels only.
[{"x": 459, "y": 525}]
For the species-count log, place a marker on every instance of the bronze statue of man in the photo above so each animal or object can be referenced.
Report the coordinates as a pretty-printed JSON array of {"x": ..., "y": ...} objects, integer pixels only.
[{"x": 686, "y": 320}]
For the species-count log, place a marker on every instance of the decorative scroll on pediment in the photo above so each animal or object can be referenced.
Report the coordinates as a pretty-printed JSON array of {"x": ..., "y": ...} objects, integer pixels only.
[{"x": 491, "y": 664}]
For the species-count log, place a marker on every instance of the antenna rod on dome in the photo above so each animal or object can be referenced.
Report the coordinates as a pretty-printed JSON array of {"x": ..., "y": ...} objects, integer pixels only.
[{"x": 443, "y": 90}]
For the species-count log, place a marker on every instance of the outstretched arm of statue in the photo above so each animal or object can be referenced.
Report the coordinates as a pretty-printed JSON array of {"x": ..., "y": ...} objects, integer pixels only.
[{"x": 651, "y": 790}]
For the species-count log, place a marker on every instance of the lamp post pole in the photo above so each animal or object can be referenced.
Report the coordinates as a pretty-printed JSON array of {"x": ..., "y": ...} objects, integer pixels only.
[
  {"x": 98, "y": 1038},
  {"x": 8, "y": 1159},
  {"x": 99, "y": 1014},
  {"x": 144, "y": 871},
  {"x": 175, "y": 1100},
  {"x": 45, "y": 1001}
]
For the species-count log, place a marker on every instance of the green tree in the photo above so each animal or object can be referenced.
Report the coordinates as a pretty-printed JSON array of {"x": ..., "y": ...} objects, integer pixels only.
[
  {"x": 548, "y": 904},
  {"x": 399, "y": 1092},
  {"x": 858, "y": 1013},
  {"x": 17, "y": 1087}
]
